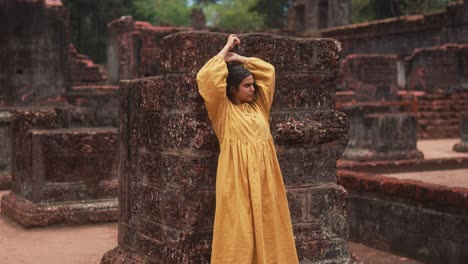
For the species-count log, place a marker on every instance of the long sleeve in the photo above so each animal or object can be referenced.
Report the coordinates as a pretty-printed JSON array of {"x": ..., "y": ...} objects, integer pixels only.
[
  {"x": 264, "y": 74},
  {"x": 211, "y": 80}
]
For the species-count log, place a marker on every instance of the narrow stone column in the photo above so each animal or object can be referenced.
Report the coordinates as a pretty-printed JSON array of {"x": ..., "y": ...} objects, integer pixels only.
[
  {"x": 462, "y": 146},
  {"x": 380, "y": 135},
  {"x": 5, "y": 150},
  {"x": 168, "y": 151}
]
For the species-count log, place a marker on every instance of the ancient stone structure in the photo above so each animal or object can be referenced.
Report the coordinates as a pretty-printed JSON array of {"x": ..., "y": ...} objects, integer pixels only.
[
  {"x": 5, "y": 150},
  {"x": 401, "y": 35},
  {"x": 198, "y": 19},
  {"x": 100, "y": 101},
  {"x": 168, "y": 151},
  {"x": 34, "y": 61},
  {"x": 412, "y": 218},
  {"x": 133, "y": 48},
  {"x": 61, "y": 175},
  {"x": 372, "y": 70},
  {"x": 312, "y": 15},
  {"x": 443, "y": 67},
  {"x": 83, "y": 71},
  {"x": 462, "y": 146},
  {"x": 434, "y": 77},
  {"x": 378, "y": 134}
]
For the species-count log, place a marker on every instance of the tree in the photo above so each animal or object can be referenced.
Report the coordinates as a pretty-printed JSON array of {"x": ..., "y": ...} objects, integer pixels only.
[
  {"x": 274, "y": 12},
  {"x": 162, "y": 12},
  {"x": 234, "y": 15}
]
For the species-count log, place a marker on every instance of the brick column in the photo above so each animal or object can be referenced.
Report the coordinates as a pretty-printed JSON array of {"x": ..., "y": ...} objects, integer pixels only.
[{"x": 168, "y": 151}]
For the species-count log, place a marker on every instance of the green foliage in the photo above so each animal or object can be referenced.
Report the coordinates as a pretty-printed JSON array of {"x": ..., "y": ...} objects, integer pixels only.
[
  {"x": 275, "y": 12},
  {"x": 162, "y": 12},
  {"x": 234, "y": 15}
]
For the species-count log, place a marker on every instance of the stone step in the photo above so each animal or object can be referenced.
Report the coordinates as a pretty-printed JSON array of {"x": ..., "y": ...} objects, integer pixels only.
[{"x": 363, "y": 254}]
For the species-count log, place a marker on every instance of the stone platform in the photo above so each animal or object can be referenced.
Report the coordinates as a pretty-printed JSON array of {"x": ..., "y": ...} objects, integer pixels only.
[
  {"x": 63, "y": 176},
  {"x": 415, "y": 208}
]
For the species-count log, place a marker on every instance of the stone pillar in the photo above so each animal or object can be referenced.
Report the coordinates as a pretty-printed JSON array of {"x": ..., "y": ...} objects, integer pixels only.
[
  {"x": 168, "y": 151},
  {"x": 133, "y": 48},
  {"x": 381, "y": 136},
  {"x": 313, "y": 15},
  {"x": 5, "y": 150},
  {"x": 462, "y": 146},
  {"x": 34, "y": 57},
  {"x": 62, "y": 175}
]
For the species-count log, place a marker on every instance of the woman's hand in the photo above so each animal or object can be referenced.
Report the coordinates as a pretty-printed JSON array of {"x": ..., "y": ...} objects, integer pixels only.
[
  {"x": 231, "y": 42},
  {"x": 234, "y": 57}
]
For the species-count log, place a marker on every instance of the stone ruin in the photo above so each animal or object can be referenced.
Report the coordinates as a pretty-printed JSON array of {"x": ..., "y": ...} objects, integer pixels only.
[
  {"x": 434, "y": 79},
  {"x": 412, "y": 218},
  {"x": 313, "y": 15},
  {"x": 133, "y": 48},
  {"x": 167, "y": 172},
  {"x": 58, "y": 153},
  {"x": 462, "y": 146},
  {"x": 34, "y": 62},
  {"x": 402, "y": 35},
  {"x": 61, "y": 173}
]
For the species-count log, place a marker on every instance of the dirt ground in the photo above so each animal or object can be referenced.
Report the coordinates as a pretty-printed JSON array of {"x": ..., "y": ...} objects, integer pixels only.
[
  {"x": 54, "y": 245},
  {"x": 86, "y": 244}
]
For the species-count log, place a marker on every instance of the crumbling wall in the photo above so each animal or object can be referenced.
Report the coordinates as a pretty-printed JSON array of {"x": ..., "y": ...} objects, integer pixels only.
[
  {"x": 133, "y": 48},
  {"x": 34, "y": 57},
  {"x": 401, "y": 35},
  {"x": 312, "y": 15},
  {"x": 412, "y": 218},
  {"x": 168, "y": 151}
]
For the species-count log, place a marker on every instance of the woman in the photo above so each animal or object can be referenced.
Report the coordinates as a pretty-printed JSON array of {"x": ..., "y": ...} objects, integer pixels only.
[{"x": 252, "y": 222}]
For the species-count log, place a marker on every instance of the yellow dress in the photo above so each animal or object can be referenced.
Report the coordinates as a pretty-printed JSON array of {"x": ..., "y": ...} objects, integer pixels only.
[{"x": 252, "y": 222}]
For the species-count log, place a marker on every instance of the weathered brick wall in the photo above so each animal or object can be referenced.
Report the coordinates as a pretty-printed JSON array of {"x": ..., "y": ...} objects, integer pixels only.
[
  {"x": 436, "y": 77},
  {"x": 412, "y": 218},
  {"x": 168, "y": 152},
  {"x": 25, "y": 119},
  {"x": 401, "y": 35},
  {"x": 60, "y": 173},
  {"x": 438, "y": 113},
  {"x": 34, "y": 61},
  {"x": 367, "y": 68},
  {"x": 442, "y": 67},
  {"x": 83, "y": 70},
  {"x": 312, "y": 15},
  {"x": 133, "y": 48},
  {"x": 100, "y": 101}
]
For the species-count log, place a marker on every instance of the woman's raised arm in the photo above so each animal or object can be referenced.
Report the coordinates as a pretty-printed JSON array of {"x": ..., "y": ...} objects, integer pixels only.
[{"x": 264, "y": 74}]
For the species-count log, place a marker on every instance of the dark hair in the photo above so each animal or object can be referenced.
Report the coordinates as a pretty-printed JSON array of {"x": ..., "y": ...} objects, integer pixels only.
[{"x": 237, "y": 73}]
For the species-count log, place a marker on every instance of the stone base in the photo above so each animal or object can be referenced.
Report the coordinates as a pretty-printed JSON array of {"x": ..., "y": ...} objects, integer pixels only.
[
  {"x": 119, "y": 256},
  {"x": 461, "y": 146},
  {"x": 29, "y": 214},
  {"x": 368, "y": 155},
  {"x": 5, "y": 182}
]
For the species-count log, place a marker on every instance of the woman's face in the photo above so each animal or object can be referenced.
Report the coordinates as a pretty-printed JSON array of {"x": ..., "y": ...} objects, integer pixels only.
[{"x": 246, "y": 91}]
